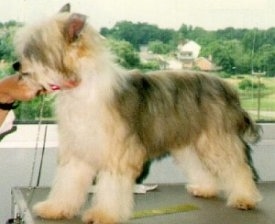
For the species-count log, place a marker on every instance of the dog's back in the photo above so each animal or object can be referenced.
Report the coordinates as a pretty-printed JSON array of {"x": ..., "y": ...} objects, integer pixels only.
[{"x": 167, "y": 109}]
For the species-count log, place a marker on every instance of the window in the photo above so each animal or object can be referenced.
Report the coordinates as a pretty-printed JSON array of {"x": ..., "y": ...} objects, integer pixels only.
[{"x": 233, "y": 40}]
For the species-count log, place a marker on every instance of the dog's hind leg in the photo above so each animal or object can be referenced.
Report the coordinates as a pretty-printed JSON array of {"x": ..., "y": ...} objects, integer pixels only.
[
  {"x": 223, "y": 154},
  {"x": 200, "y": 181},
  {"x": 68, "y": 193}
]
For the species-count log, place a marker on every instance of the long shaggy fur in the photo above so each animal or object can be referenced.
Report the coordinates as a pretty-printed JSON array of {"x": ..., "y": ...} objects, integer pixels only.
[{"x": 115, "y": 120}]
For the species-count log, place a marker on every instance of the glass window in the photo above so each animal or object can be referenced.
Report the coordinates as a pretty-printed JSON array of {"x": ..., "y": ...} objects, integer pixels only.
[{"x": 233, "y": 39}]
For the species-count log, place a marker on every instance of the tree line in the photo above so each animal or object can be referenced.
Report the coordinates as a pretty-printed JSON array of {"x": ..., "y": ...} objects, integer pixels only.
[{"x": 235, "y": 50}]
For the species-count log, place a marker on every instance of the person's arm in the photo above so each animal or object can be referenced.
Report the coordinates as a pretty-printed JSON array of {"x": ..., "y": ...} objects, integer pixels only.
[
  {"x": 5, "y": 100},
  {"x": 6, "y": 117},
  {"x": 13, "y": 89},
  {"x": 3, "y": 115}
]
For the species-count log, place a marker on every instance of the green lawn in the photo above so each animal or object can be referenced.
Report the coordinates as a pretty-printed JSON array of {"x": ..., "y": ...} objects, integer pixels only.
[{"x": 249, "y": 98}]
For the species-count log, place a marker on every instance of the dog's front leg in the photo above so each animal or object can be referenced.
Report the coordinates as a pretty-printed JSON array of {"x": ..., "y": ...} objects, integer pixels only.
[
  {"x": 113, "y": 201},
  {"x": 68, "y": 193}
]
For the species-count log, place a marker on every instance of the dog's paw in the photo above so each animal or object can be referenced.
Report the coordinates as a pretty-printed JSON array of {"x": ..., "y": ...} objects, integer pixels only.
[
  {"x": 52, "y": 210},
  {"x": 95, "y": 216},
  {"x": 242, "y": 203},
  {"x": 199, "y": 191},
  {"x": 246, "y": 200}
]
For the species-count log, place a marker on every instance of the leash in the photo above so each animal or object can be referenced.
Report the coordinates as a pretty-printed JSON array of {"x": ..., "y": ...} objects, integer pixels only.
[
  {"x": 42, "y": 157},
  {"x": 37, "y": 142}
]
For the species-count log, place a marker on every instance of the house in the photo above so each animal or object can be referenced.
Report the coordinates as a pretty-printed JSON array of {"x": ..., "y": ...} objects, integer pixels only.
[
  {"x": 205, "y": 64},
  {"x": 173, "y": 63},
  {"x": 147, "y": 56},
  {"x": 187, "y": 53}
]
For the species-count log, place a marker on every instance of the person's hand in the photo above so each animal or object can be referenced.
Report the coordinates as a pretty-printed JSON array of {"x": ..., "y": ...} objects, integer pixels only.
[{"x": 12, "y": 88}]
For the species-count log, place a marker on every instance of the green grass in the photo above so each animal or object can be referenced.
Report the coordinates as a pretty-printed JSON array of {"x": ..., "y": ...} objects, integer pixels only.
[{"x": 249, "y": 98}]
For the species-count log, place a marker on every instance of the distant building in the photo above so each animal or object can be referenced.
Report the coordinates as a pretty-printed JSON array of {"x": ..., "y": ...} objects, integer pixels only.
[
  {"x": 174, "y": 63},
  {"x": 187, "y": 53},
  {"x": 186, "y": 57},
  {"x": 147, "y": 56},
  {"x": 204, "y": 64}
]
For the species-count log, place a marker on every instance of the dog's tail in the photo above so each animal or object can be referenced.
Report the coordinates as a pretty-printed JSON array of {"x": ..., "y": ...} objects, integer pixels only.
[
  {"x": 249, "y": 160},
  {"x": 251, "y": 133}
]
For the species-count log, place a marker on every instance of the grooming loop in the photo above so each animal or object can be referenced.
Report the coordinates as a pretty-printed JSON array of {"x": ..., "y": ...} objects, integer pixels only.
[
  {"x": 31, "y": 188},
  {"x": 17, "y": 220},
  {"x": 42, "y": 104}
]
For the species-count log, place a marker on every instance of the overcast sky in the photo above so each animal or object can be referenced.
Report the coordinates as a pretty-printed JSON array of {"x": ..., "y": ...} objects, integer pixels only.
[{"x": 208, "y": 14}]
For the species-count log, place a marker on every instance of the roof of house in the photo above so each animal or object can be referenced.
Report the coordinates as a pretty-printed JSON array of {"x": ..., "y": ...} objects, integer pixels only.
[{"x": 205, "y": 64}]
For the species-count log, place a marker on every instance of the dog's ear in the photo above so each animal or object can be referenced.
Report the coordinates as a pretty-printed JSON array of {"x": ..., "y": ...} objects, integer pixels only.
[
  {"x": 74, "y": 26},
  {"x": 65, "y": 8}
]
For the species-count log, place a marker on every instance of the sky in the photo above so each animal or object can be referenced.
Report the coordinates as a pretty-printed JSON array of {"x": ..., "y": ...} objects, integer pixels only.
[{"x": 208, "y": 14}]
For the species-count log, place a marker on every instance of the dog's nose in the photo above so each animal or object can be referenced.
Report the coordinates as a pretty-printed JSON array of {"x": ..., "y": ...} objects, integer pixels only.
[{"x": 16, "y": 66}]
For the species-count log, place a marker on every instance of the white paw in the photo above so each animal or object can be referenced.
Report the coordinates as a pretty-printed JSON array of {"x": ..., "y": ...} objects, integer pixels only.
[
  {"x": 244, "y": 202},
  {"x": 53, "y": 210},
  {"x": 199, "y": 191},
  {"x": 96, "y": 216}
]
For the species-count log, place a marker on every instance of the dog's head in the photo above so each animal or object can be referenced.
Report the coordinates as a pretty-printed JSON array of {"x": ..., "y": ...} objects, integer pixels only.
[{"x": 51, "y": 53}]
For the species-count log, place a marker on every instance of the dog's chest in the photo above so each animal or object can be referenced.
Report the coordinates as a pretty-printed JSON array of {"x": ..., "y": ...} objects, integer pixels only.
[{"x": 84, "y": 117}]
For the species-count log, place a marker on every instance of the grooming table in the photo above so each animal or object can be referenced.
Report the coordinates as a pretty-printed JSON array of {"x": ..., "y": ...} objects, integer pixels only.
[{"x": 208, "y": 211}]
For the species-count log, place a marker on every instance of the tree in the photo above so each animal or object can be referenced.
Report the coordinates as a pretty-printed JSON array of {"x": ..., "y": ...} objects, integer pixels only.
[
  {"x": 7, "y": 31},
  {"x": 125, "y": 52},
  {"x": 222, "y": 53},
  {"x": 230, "y": 33},
  {"x": 158, "y": 47},
  {"x": 265, "y": 60},
  {"x": 138, "y": 33},
  {"x": 229, "y": 54},
  {"x": 253, "y": 40},
  {"x": 197, "y": 34},
  {"x": 6, "y": 46},
  {"x": 184, "y": 31}
]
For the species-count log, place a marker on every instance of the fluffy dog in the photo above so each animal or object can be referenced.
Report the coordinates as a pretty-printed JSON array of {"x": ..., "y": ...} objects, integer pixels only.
[{"x": 114, "y": 120}]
